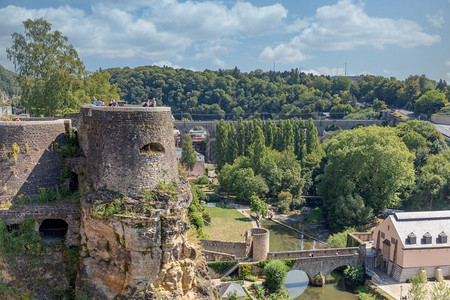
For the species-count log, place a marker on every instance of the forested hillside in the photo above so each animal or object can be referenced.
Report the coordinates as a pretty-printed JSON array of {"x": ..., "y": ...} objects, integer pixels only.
[
  {"x": 231, "y": 94},
  {"x": 9, "y": 86}
]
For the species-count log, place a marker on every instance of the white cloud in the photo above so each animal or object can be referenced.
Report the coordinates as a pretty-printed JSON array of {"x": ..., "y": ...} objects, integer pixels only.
[
  {"x": 152, "y": 29},
  {"x": 297, "y": 25},
  {"x": 437, "y": 19},
  {"x": 447, "y": 62},
  {"x": 346, "y": 26},
  {"x": 282, "y": 54},
  {"x": 210, "y": 51},
  {"x": 448, "y": 76}
]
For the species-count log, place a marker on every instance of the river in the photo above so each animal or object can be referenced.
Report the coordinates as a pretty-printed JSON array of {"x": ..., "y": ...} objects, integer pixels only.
[
  {"x": 284, "y": 239},
  {"x": 297, "y": 285}
]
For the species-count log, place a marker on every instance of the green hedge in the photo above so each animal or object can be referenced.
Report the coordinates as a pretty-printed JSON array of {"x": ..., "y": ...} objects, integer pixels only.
[
  {"x": 221, "y": 267},
  {"x": 289, "y": 262}
]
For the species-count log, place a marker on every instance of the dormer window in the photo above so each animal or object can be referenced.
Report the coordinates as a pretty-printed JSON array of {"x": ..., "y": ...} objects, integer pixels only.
[
  {"x": 442, "y": 237},
  {"x": 411, "y": 238},
  {"x": 427, "y": 238}
]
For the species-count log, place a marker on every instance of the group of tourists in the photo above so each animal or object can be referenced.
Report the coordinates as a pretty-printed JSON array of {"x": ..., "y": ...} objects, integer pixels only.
[
  {"x": 112, "y": 102},
  {"x": 149, "y": 103}
]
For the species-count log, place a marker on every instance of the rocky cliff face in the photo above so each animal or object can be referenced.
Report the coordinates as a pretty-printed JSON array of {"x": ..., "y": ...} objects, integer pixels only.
[{"x": 134, "y": 239}]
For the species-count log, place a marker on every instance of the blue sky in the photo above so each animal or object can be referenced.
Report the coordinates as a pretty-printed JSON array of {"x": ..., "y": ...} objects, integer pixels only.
[{"x": 380, "y": 37}]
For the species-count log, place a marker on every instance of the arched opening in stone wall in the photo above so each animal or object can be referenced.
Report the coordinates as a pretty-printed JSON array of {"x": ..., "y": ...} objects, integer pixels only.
[
  {"x": 53, "y": 229},
  {"x": 152, "y": 148},
  {"x": 177, "y": 137},
  {"x": 199, "y": 136},
  {"x": 332, "y": 127}
]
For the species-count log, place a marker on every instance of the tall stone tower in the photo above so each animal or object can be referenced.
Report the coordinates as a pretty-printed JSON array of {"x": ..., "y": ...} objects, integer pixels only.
[
  {"x": 128, "y": 149},
  {"x": 134, "y": 209}
]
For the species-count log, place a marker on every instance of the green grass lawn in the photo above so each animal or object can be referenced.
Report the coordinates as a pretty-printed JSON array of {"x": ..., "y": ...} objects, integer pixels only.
[{"x": 227, "y": 224}]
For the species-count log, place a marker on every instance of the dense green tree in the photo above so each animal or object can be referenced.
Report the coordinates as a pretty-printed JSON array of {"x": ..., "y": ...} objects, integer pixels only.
[
  {"x": 258, "y": 206},
  {"x": 354, "y": 276},
  {"x": 9, "y": 84},
  {"x": 299, "y": 139},
  {"x": 284, "y": 201},
  {"x": 371, "y": 162},
  {"x": 222, "y": 144},
  {"x": 97, "y": 85},
  {"x": 433, "y": 183},
  {"x": 275, "y": 272},
  {"x": 312, "y": 139},
  {"x": 426, "y": 129},
  {"x": 49, "y": 69},
  {"x": 259, "y": 151},
  {"x": 418, "y": 289},
  {"x": 430, "y": 103},
  {"x": 240, "y": 180},
  {"x": 188, "y": 156},
  {"x": 440, "y": 291},
  {"x": 240, "y": 137}
]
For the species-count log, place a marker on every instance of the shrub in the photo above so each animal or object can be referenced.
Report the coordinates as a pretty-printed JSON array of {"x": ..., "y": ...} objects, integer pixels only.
[
  {"x": 276, "y": 272},
  {"x": 251, "y": 278},
  {"x": 221, "y": 267},
  {"x": 202, "y": 180},
  {"x": 339, "y": 240},
  {"x": 244, "y": 270},
  {"x": 196, "y": 220},
  {"x": 353, "y": 276},
  {"x": 214, "y": 198},
  {"x": 284, "y": 201},
  {"x": 316, "y": 215}
]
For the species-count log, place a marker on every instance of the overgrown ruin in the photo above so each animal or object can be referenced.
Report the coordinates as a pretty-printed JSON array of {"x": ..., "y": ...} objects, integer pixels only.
[{"x": 131, "y": 223}]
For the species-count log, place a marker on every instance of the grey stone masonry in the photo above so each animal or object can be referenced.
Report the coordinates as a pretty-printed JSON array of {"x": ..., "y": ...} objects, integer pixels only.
[
  {"x": 38, "y": 162},
  {"x": 71, "y": 213},
  {"x": 128, "y": 148}
]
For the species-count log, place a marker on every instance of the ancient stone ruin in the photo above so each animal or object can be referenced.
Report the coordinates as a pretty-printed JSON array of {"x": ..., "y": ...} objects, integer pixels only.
[{"x": 132, "y": 218}]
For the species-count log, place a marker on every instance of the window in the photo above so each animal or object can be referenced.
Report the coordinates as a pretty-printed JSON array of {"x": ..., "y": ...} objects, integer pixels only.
[
  {"x": 411, "y": 238},
  {"x": 382, "y": 235},
  {"x": 442, "y": 237},
  {"x": 393, "y": 241},
  {"x": 427, "y": 238}
]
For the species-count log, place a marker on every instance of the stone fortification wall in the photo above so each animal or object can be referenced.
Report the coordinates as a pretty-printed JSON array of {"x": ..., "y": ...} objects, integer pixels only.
[
  {"x": 128, "y": 148},
  {"x": 70, "y": 213},
  {"x": 234, "y": 248},
  {"x": 37, "y": 163}
]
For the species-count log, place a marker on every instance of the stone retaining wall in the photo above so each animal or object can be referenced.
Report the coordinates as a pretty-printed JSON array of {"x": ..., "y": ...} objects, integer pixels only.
[
  {"x": 37, "y": 164},
  {"x": 71, "y": 213},
  {"x": 233, "y": 248}
]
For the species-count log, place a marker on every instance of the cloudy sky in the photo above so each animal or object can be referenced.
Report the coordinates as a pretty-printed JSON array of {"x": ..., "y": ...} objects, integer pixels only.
[{"x": 381, "y": 37}]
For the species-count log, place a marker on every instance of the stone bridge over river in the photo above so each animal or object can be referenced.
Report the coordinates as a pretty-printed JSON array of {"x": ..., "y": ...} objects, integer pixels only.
[
  {"x": 323, "y": 261},
  {"x": 210, "y": 127},
  {"x": 319, "y": 262}
]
